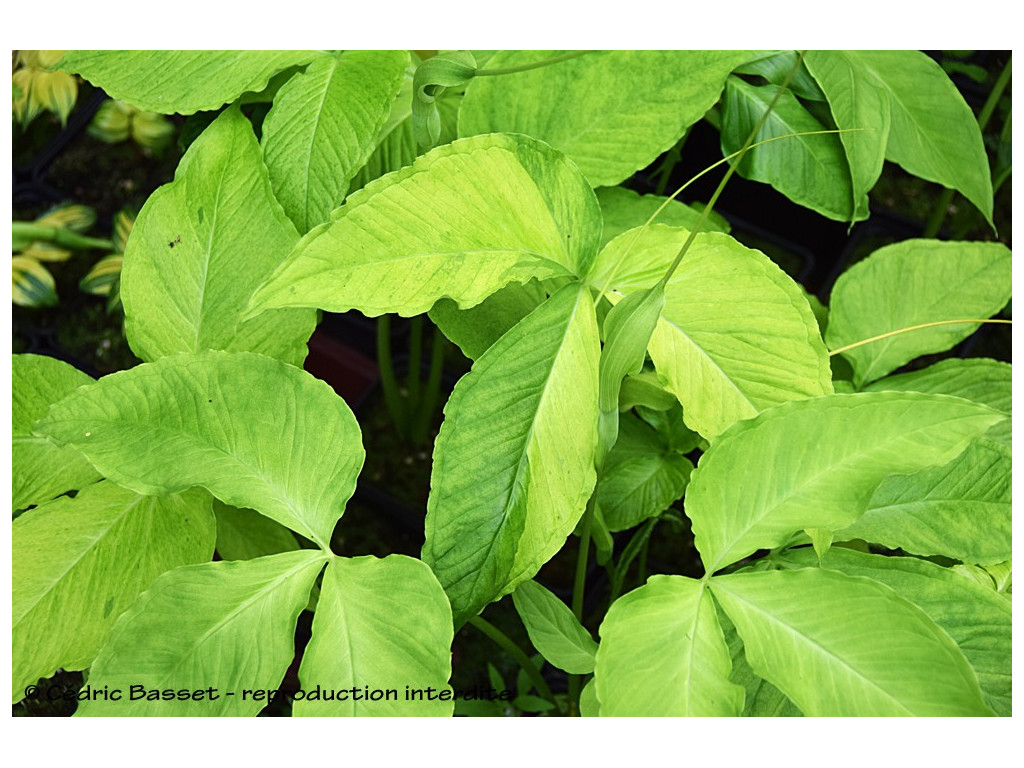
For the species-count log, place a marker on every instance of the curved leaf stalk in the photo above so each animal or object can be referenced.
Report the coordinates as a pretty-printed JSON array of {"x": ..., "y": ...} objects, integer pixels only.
[
  {"x": 528, "y": 67},
  {"x": 455, "y": 69},
  {"x": 518, "y": 654},
  {"x": 732, "y": 169},
  {"x": 670, "y": 198},
  {"x": 908, "y": 329}
]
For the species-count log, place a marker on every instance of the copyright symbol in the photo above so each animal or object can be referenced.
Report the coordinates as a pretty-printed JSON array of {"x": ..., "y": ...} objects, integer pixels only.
[{"x": 32, "y": 692}]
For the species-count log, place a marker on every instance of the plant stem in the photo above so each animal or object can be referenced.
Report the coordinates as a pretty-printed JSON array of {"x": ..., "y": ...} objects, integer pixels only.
[
  {"x": 633, "y": 548},
  {"x": 516, "y": 653},
  {"x": 881, "y": 336},
  {"x": 732, "y": 169},
  {"x": 527, "y": 67},
  {"x": 578, "y": 588},
  {"x": 392, "y": 398},
  {"x": 412, "y": 376},
  {"x": 47, "y": 233},
  {"x": 423, "y": 419},
  {"x": 668, "y": 165}
]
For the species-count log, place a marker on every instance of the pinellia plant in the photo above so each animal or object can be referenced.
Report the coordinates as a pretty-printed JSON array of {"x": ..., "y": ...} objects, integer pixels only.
[{"x": 854, "y": 528}]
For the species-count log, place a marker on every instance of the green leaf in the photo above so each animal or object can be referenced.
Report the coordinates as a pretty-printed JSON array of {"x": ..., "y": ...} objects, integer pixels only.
[
  {"x": 514, "y": 461},
  {"x": 909, "y": 284},
  {"x": 384, "y": 625},
  {"x": 809, "y": 170},
  {"x": 662, "y": 654},
  {"x": 253, "y": 431},
  {"x": 645, "y": 389},
  {"x": 80, "y": 562},
  {"x": 554, "y": 630},
  {"x": 181, "y": 81},
  {"x": 41, "y": 470},
  {"x": 623, "y": 209},
  {"x": 245, "y": 534},
  {"x": 860, "y": 107},
  {"x": 843, "y": 646},
  {"x": 762, "y": 698},
  {"x": 104, "y": 275},
  {"x": 736, "y": 335},
  {"x": 977, "y": 618},
  {"x": 33, "y": 285},
  {"x": 461, "y": 222},
  {"x": 226, "y": 629},
  {"x": 775, "y": 67},
  {"x": 932, "y": 133},
  {"x": 627, "y": 331},
  {"x": 477, "y": 328},
  {"x": 1002, "y": 575},
  {"x": 641, "y": 477},
  {"x": 984, "y": 381},
  {"x": 590, "y": 706},
  {"x": 201, "y": 246},
  {"x": 815, "y": 464},
  {"x": 962, "y": 510},
  {"x": 323, "y": 127},
  {"x": 612, "y": 112}
]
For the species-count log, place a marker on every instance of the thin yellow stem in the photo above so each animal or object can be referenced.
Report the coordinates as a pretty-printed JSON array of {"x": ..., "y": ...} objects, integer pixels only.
[{"x": 862, "y": 342}]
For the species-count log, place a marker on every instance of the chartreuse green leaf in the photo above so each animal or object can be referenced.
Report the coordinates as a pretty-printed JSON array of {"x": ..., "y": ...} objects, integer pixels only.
[
  {"x": 627, "y": 106},
  {"x": 324, "y": 125},
  {"x": 382, "y": 625},
  {"x": 181, "y": 81},
  {"x": 815, "y": 464},
  {"x": 554, "y": 630},
  {"x": 461, "y": 222},
  {"x": 477, "y": 328},
  {"x": 218, "y": 638},
  {"x": 1001, "y": 575},
  {"x": 645, "y": 389},
  {"x": 809, "y": 170},
  {"x": 40, "y": 469},
  {"x": 245, "y": 534},
  {"x": 736, "y": 335},
  {"x": 662, "y": 654},
  {"x": 627, "y": 331},
  {"x": 777, "y": 67},
  {"x": 961, "y": 510},
  {"x": 762, "y": 699},
  {"x": 930, "y": 131},
  {"x": 976, "y": 617},
  {"x": 641, "y": 477},
  {"x": 201, "y": 246},
  {"x": 590, "y": 706},
  {"x": 844, "y": 646},
  {"x": 253, "y": 431},
  {"x": 80, "y": 562},
  {"x": 623, "y": 209},
  {"x": 978, "y": 379},
  {"x": 860, "y": 107},
  {"x": 514, "y": 460},
  {"x": 909, "y": 284}
]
